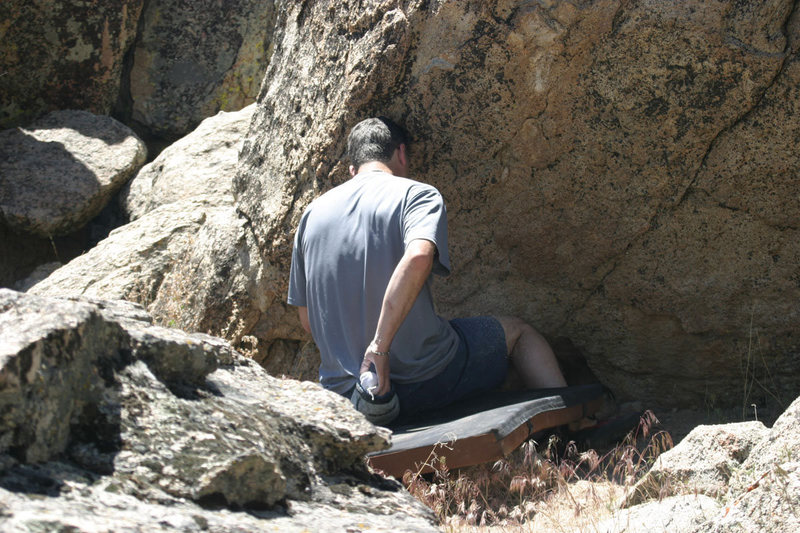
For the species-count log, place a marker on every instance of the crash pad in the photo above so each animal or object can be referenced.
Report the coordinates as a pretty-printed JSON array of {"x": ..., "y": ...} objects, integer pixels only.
[{"x": 483, "y": 429}]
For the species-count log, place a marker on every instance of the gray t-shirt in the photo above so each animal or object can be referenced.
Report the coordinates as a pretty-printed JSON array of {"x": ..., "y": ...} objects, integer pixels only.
[{"x": 347, "y": 246}]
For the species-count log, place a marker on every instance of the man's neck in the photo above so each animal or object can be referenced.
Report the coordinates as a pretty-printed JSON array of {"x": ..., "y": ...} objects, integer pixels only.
[{"x": 371, "y": 166}]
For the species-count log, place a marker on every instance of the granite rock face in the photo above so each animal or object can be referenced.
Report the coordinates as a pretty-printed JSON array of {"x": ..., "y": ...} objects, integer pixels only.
[
  {"x": 59, "y": 172},
  {"x": 617, "y": 173},
  {"x": 782, "y": 445},
  {"x": 771, "y": 505},
  {"x": 194, "y": 59},
  {"x": 65, "y": 498},
  {"x": 165, "y": 65},
  {"x": 48, "y": 372},
  {"x": 764, "y": 494},
  {"x": 122, "y": 423},
  {"x": 63, "y": 55}
]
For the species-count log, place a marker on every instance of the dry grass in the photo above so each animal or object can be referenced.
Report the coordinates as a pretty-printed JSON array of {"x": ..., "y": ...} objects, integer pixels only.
[{"x": 548, "y": 486}]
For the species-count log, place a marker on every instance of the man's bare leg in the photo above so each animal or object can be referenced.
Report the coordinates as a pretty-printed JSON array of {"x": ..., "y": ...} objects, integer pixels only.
[
  {"x": 531, "y": 355},
  {"x": 534, "y": 360}
]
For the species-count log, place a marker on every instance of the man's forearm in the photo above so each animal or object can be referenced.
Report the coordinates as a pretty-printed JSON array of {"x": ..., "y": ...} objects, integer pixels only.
[
  {"x": 303, "y": 314},
  {"x": 404, "y": 286},
  {"x": 407, "y": 280}
]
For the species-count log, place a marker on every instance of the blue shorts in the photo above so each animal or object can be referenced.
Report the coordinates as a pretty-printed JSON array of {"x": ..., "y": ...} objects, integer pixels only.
[{"x": 480, "y": 364}]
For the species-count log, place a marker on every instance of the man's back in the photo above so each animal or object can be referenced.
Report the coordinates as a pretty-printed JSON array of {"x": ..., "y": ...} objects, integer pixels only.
[
  {"x": 347, "y": 245},
  {"x": 361, "y": 265}
]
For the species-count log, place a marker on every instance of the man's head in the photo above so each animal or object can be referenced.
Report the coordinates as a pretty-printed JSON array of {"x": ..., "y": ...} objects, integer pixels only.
[{"x": 377, "y": 139}]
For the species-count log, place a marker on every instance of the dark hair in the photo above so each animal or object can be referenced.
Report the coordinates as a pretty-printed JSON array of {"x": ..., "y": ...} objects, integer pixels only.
[{"x": 374, "y": 139}]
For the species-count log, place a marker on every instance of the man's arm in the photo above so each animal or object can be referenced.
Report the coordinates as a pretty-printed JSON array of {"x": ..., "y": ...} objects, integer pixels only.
[
  {"x": 303, "y": 312},
  {"x": 404, "y": 286}
]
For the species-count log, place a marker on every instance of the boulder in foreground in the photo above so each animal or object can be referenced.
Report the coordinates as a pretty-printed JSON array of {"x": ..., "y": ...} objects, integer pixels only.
[
  {"x": 752, "y": 473},
  {"x": 112, "y": 422}
]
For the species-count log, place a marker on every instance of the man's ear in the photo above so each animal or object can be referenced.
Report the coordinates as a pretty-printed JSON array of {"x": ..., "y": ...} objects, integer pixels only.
[
  {"x": 352, "y": 171},
  {"x": 401, "y": 155}
]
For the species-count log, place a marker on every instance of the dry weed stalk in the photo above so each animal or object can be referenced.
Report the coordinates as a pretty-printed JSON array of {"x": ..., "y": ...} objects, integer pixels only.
[
  {"x": 534, "y": 479},
  {"x": 750, "y": 372}
]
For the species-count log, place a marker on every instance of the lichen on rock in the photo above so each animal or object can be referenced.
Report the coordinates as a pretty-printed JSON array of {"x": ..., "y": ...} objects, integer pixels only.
[
  {"x": 192, "y": 60},
  {"x": 63, "y": 55}
]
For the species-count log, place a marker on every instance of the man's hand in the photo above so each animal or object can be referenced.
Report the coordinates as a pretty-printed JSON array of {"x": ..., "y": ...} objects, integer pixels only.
[{"x": 381, "y": 363}]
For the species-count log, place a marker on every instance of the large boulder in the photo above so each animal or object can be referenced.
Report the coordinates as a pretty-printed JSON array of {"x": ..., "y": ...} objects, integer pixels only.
[
  {"x": 781, "y": 445},
  {"x": 55, "y": 356},
  {"x": 200, "y": 164},
  {"x": 194, "y": 59},
  {"x": 769, "y": 505},
  {"x": 97, "y": 400},
  {"x": 608, "y": 169},
  {"x": 59, "y": 172},
  {"x": 85, "y": 503},
  {"x": 63, "y": 55}
]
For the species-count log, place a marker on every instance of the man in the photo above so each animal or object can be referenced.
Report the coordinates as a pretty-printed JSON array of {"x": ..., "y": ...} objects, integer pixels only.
[{"x": 361, "y": 271}]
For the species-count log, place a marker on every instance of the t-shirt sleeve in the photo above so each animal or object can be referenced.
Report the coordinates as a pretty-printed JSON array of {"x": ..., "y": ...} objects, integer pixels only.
[
  {"x": 425, "y": 217},
  {"x": 297, "y": 273}
]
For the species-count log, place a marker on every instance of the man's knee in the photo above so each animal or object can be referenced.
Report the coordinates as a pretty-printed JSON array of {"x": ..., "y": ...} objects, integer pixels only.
[{"x": 513, "y": 328}]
